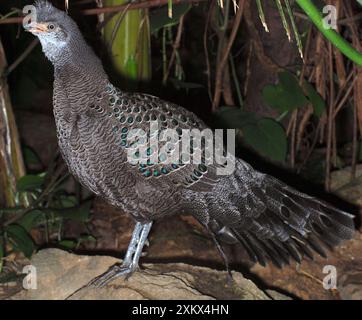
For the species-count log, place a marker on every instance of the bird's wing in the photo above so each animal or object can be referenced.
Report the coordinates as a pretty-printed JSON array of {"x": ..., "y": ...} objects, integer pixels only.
[{"x": 152, "y": 152}]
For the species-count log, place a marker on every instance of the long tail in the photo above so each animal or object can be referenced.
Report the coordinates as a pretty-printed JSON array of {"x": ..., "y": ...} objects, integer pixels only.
[{"x": 275, "y": 223}]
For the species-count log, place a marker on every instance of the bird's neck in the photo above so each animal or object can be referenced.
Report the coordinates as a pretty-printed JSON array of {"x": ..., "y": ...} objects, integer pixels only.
[
  {"x": 79, "y": 72},
  {"x": 75, "y": 62}
]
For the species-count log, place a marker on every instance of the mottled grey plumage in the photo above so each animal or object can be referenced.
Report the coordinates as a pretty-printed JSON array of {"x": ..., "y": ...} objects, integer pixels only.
[{"x": 271, "y": 220}]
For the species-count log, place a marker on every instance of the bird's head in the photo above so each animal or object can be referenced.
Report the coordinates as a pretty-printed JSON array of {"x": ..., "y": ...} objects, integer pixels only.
[{"x": 54, "y": 28}]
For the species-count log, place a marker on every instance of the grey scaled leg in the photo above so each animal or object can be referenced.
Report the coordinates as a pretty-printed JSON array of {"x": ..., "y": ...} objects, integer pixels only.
[{"x": 130, "y": 262}]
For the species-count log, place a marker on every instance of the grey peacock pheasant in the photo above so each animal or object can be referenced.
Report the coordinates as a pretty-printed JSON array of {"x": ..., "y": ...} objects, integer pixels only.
[{"x": 95, "y": 124}]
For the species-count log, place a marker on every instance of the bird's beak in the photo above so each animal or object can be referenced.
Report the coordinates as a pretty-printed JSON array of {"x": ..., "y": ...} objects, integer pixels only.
[{"x": 37, "y": 28}]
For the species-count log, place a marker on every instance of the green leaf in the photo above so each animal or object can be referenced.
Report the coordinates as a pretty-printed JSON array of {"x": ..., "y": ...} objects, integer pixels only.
[
  {"x": 267, "y": 137},
  {"x": 287, "y": 95},
  {"x": 68, "y": 244},
  {"x": 30, "y": 182},
  {"x": 233, "y": 118},
  {"x": 264, "y": 135},
  {"x": 319, "y": 105},
  {"x": 30, "y": 157},
  {"x": 20, "y": 238},
  {"x": 87, "y": 237},
  {"x": 31, "y": 219},
  {"x": 360, "y": 2},
  {"x": 160, "y": 19},
  {"x": 79, "y": 213},
  {"x": 67, "y": 201}
]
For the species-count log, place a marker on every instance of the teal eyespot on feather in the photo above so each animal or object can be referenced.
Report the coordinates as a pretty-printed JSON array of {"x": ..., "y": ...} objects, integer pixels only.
[
  {"x": 147, "y": 173},
  {"x": 109, "y": 88},
  {"x": 188, "y": 180},
  {"x": 162, "y": 157},
  {"x": 164, "y": 171},
  {"x": 197, "y": 173},
  {"x": 130, "y": 120},
  {"x": 124, "y": 130}
]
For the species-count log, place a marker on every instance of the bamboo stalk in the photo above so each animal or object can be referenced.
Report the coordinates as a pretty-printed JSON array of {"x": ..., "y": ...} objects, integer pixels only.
[
  {"x": 11, "y": 160},
  {"x": 127, "y": 35}
]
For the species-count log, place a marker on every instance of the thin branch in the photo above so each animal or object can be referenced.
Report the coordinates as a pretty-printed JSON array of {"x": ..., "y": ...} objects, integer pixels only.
[
  {"x": 221, "y": 66},
  {"x": 175, "y": 46},
  {"x": 330, "y": 120},
  {"x": 116, "y": 27},
  {"x": 206, "y": 50},
  {"x": 96, "y": 11},
  {"x": 22, "y": 57}
]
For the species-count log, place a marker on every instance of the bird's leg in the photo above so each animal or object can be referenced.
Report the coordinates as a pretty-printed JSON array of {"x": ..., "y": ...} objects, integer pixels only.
[
  {"x": 221, "y": 251},
  {"x": 130, "y": 262}
]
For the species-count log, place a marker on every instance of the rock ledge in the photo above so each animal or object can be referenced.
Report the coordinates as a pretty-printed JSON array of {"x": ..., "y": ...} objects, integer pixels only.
[{"x": 62, "y": 275}]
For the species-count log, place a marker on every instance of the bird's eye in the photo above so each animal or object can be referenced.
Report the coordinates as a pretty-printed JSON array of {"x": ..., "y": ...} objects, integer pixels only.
[{"x": 51, "y": 26}]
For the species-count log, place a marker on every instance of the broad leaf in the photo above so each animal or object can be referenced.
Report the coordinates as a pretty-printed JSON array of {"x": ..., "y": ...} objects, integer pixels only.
[
  {"x": 30, "y": 157},
  {"x": 233, "y": 118},
  {"x": 287, "y": 95},
  {"x": 267, "y": 137},
  {"x": 30, "y": 182},
  {"x": 68, "y": 244},
  {"x": 79, "y": 213},
  {"x": 319, "y": 105},
  {"x": 31, "y": 219},
  {"x": 20, "y": 238},
  {"x": 159, "y": 18}
]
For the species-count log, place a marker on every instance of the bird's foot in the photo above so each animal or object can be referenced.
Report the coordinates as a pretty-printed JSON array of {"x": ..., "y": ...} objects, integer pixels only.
[
  {"x": 130, "y": 262},
  {"x": 115, "y": 271}
]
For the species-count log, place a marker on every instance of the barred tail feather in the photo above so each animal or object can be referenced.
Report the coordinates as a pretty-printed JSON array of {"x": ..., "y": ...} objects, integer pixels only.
[{"x": 279, "y": 224}]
